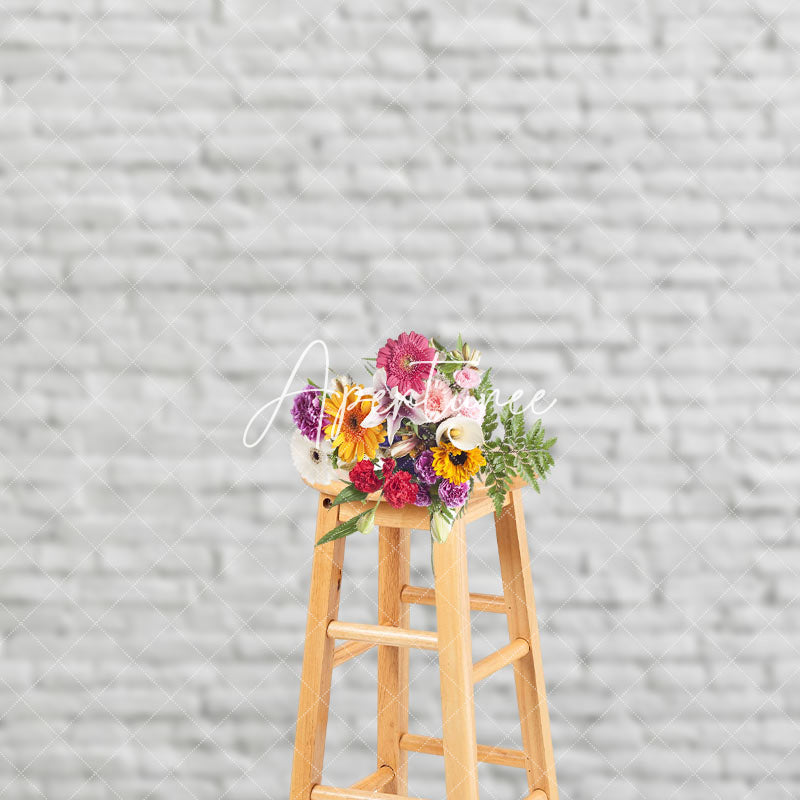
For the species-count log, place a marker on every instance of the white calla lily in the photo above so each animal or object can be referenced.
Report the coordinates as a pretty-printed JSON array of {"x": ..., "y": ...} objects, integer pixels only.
[{"x": 462, "y": 432}]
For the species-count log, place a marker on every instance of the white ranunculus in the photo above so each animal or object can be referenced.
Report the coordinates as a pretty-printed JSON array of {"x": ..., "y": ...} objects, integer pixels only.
[
  {"x": 312, "y": 462},
  {"x": 462, "y": 432}
]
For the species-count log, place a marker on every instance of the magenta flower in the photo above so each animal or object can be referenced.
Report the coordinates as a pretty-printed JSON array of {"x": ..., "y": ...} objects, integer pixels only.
[{"x": 407, "y": 361}]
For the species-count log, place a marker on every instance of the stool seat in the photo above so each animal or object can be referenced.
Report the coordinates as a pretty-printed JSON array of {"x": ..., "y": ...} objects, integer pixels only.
[
  {"x": 452, "y": 641},
  {"x": 479, "y": 505}
]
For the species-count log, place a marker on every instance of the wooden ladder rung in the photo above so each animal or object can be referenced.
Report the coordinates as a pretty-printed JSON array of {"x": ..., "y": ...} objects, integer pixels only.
[
  {"x": 382, "y": 634},
  {"x": 376, "y": 782},
  {"x": 332, "y": 793},
  {"x": 344, "y": 652},
  {"x": 417, "y": 595},
  {"x": 499, "y": 659},
  {"x": 490, "y": 755}
]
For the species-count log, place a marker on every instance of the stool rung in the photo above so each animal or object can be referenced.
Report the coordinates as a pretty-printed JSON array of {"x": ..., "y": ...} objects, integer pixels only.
[
  {"x": 332, "y": 793},
  {"x": 537, "y": 795},
  {"x": 377, "y": 781},
  {"x": 345, "y": 652},
  {"x": 417, "y": 595},
  {"x": 382, "y": 634},
  {"x": 497, "y": 660},
  {"x": 490, "y": 755}
]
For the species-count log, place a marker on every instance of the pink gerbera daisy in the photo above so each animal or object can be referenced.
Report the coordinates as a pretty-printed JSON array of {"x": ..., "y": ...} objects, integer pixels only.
[{"x": 407, "y": 361}]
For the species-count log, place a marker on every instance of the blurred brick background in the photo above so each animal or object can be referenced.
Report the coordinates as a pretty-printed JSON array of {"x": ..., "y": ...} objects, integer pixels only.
[{"x": 602, "y": 195}]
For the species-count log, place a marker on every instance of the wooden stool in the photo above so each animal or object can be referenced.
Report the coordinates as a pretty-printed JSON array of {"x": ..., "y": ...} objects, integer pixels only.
[{"x": 452, "y": 641}]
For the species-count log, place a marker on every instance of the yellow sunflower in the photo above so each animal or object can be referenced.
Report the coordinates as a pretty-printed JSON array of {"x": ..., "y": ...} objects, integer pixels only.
[
  {"x": 346, "y": 410},
  {"x": 457, "y": 466}
]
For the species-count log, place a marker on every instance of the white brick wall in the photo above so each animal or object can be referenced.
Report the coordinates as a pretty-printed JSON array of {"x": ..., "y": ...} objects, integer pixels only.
[{"x": 601, "y": 195}]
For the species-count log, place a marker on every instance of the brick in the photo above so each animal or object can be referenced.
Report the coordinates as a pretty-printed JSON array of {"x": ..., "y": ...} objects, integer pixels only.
[{"x": 602, "y": 198}]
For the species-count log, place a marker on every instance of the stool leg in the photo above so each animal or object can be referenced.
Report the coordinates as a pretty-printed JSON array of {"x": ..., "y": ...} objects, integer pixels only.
[
  {"x": 315, "y": 686},
  {"x": 393, "y": 573},
  {"x": 512, "y": 545},
  {"x": 455, "y": 666}
]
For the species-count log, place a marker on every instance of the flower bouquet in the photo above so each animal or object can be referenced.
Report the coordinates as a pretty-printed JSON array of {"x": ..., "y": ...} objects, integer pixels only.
[{"x": 422, "y": 434}]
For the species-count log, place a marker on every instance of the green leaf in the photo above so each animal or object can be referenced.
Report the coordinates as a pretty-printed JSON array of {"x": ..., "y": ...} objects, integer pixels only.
[
  {"x": 448, "y": 370},
  {"x": 498, "y": 495},
  {"x": 348, "y": 495},
  {"x": 490, "y": 419},
  {"x": 343, "y": 529},
  {"x": 518, "y": 429},
  {"x": 484, "y": 392},
  {"x": 485, "y": 385}
]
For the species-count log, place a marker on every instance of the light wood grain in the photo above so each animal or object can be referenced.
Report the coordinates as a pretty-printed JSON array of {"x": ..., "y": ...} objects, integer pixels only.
[
  {"x": 512, "y": 545},
  {"x": 478, "y": 507},
  {"x": 386, "y": 516},
  {"x": 382, "y": 634},
  {"x": 343, "y": 653},
  {"x": 499, "y": 659},
  {"x": 376, "y": 782},
  {"x": 392, "y": 636},
  {"x": 315, "y": 683},
  {"x": 332, "y": 793},
  {"x": 455, "y": 665},
  {"x": 411, "y": 516},
  {"x": 477, "y": 602},
  {"x": 394, "y": 547},
  {"x": 490, "y": 755}
]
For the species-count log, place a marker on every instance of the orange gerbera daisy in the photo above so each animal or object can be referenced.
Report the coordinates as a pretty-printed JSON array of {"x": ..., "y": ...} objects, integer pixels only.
[{"x": 347, "y": 409}]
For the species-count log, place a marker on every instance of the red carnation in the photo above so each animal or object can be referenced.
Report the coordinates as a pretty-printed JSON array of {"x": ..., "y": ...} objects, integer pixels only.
[
  {"x": 364, "y": 478},
  {"x": 387, "y": 467},
  {"x": 400, "y": 490}
]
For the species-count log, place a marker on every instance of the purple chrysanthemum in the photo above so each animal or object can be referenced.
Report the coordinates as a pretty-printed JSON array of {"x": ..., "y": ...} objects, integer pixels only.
[
  {"x": 423, "y": 498},
  {"x": 306, "y": 412},
  {"x": 454, "y": 495},
  {"x": 423, "y": 466}
]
